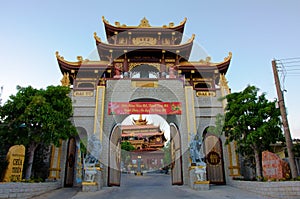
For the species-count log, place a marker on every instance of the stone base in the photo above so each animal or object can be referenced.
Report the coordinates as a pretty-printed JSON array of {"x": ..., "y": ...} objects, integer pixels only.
[
  {"x": 89, "y": 186},
  {"x": 201, "y": 185},
  {"x": 194, "y": 183},
  {"x": 93, "y": 186}
]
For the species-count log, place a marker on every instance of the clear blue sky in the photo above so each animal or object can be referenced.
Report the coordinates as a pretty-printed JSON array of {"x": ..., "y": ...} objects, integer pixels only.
[{"x": 254, "y": 31}]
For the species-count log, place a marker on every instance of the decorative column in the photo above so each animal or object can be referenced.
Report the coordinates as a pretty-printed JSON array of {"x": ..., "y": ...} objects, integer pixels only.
[
  {"x": 159, "y": 38},
  {"x": 125, "y": 62},
  {"x": 163, "y": 63},
  {"x": 129, "y": 38},
  {"x": 54, "y": 170},
  {"x": 234, "y": 167}
]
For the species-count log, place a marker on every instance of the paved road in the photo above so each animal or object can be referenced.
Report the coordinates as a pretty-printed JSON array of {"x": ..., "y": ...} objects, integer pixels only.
[{"x": 152, "y": 186}]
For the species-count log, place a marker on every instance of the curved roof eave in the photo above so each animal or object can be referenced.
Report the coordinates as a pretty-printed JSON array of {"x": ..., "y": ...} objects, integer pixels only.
[
  {"x": 205, "y": 65},
  {"x": 120, "y": 28},
  {"x": 107, "y": 46},
  {"x": 86, "y": 64}
]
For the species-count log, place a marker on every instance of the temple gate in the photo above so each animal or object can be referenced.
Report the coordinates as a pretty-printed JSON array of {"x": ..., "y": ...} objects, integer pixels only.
[{"x": 146, "y": 70}]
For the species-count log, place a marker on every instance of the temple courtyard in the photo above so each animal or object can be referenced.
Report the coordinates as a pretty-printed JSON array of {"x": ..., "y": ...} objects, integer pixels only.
[{"x": 150, "y": 186}]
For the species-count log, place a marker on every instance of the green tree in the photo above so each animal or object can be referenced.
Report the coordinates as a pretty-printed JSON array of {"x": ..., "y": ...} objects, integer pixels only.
[
  {"x": 296, "y": 148},
  {"x": 33, "y": 117},
  {"x": 253, "y": 122},
  {"x": 167, "y": 154},
  {"x": 126, "y": 147}
]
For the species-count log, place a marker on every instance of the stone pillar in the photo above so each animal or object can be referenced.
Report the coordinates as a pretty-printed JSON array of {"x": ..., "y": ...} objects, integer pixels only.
[
  {"x": 190, "y": 111},
  {"x": 54, "y": 170},
  {"x": 234, "y": 166},
  {"x": 125, "y": 62}
]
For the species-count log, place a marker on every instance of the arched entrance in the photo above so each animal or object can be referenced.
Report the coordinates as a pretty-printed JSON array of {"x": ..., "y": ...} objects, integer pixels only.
[
  {"x": 70, "y": 163},
  {"x": 176, "y": 155},
  {"x": 114, "y": 158},
  {"x": 145, "y": 71},
  {"x": 114, "y": 171},
  {"x": 214, "y": 158}
]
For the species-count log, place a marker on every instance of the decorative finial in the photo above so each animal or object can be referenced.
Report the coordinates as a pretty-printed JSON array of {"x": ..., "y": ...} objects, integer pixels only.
[
  {"x": 79, "y": 58},
  {"x": 58, "y": 56},
  {"x": 184, "y": 20},
  {"x": 228, "y": 57},
  {"x": 96, "y": 37},
  {"x": 140, "y": 121},
  {"x": 144, "y": 23}
]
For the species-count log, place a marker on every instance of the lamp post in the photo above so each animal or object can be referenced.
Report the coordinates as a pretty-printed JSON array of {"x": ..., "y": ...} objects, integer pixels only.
[{"x": 139, "y": 162}]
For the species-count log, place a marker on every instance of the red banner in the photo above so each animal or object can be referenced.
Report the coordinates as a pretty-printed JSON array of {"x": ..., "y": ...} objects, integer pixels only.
[{"x": 163, "y": 108}]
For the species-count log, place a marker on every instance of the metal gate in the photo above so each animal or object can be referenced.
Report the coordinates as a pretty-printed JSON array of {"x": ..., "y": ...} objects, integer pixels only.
[
  {"x": 214, "y": 159},
  {"x": 177, "y": 178},
  {"x": 70, "y": 163},
  {"x": 114, "y": 171}
]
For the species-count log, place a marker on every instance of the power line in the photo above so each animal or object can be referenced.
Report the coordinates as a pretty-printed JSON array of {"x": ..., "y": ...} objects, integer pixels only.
[
  {"x": 288, "y": 67},
  {"x": 291, "y": 58},
  {"x": 293, "y": 66}
]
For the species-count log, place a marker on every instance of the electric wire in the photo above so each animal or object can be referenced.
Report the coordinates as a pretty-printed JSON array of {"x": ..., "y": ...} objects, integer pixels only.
[{"x": 287, "y": 67}]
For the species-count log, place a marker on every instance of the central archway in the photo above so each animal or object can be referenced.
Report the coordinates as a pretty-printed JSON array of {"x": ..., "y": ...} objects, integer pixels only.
[{"x": 114, "y": 161}]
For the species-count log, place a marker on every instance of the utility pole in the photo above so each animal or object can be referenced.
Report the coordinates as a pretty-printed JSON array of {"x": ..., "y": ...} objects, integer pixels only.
[{"x": 287, "y": 134}]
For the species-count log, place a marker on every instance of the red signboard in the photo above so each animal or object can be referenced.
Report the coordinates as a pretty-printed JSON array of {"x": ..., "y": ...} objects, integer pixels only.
[{"x": 163, "y": 108}]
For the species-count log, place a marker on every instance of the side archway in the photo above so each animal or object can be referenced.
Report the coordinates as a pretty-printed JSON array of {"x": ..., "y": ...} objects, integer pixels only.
[
  {"x": 213, "y": 152},
  {"x": 114, "y": 157},
  {"x": 70, "y": 162},
  {"x": 176, "y": 155}
]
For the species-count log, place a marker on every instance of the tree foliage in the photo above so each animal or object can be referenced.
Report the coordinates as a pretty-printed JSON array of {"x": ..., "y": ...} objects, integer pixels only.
[
  {"x": 167, "y": 154},
  {"x": 296, "y": 148},
  {"x": 253, "y": 122},
  {"x": 32, "y": 117},
  {"x": 126, "y": 147}
]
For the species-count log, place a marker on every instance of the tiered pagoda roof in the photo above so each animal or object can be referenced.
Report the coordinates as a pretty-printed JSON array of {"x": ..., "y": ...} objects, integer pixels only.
[
  {"x": 145, "y": 28},
  {"x": 147, "y": 135},
  {"x": 128, "y": 47}
]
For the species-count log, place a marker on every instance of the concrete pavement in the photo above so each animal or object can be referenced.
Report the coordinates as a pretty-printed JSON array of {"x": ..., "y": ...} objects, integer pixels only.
[{"x": 151, "y": 186}]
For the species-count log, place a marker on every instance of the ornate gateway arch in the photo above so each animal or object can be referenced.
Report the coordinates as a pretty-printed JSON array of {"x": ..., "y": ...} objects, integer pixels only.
[{"x": 106, "y": 91}]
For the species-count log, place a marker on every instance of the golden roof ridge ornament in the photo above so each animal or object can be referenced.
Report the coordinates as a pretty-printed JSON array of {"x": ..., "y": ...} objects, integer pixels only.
[
  {"x": 192, "y": 38},
  {"x": 61, "y": 58},
  {"x": 96, "y": 37},
  {"x": 104, "y": 20},
  {"x": 208, "y": 60},
  {"x": 140, "y": 121},
  {"x": 184, "y": 20},
  {"x": 144, "y": 23},
  {"x": 228, "y": 57}
]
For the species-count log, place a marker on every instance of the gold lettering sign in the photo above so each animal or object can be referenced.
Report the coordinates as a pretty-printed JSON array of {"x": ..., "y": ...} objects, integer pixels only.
[
  {"x": 141, "y": 41},
  {"x": 169, "y": 60},
  {"x": 213, "y": 158},
  {"x": 15, "y": 158},
  {"x": 147, "y": 84},
  {"x": 206, "y": 93},
  {"x": 83, "y": 93}
]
